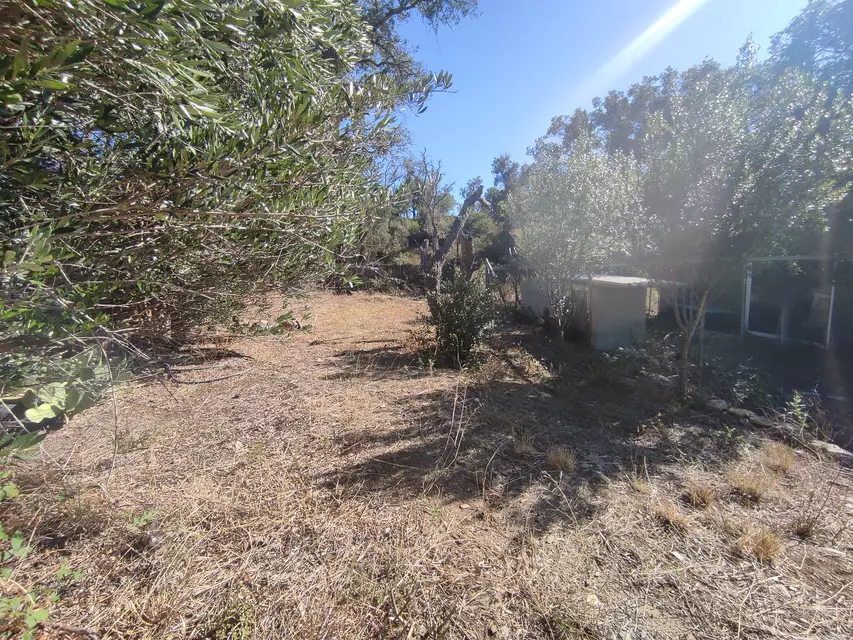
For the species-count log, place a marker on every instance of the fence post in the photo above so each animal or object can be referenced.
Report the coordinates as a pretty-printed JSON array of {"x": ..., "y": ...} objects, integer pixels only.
[{"x": 747, "y": 296}]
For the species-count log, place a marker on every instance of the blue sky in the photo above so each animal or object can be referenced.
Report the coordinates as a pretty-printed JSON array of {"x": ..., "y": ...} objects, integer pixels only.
[{"x": 522, "y": 62}]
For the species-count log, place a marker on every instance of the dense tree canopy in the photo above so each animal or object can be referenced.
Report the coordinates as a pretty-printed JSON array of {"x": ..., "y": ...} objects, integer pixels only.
[
  {"x": 575, "y": 209},
  {"x": 686, "y": 174},
  {"x": 163, "y": 158},
  {"x": 819, "y": 41}
]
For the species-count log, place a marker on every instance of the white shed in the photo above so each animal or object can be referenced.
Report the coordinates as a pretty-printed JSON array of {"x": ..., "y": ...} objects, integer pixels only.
[
  {"x": 617, "y": 311},
  {"x": 613, "y": 313}
]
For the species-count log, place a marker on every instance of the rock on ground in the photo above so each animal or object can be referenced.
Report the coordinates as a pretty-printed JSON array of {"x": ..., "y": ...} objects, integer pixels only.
[{"x": 832, "y": 451}]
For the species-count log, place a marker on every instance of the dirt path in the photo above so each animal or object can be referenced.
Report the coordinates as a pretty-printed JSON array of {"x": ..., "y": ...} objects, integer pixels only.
[{"x": 341, "y": 489}]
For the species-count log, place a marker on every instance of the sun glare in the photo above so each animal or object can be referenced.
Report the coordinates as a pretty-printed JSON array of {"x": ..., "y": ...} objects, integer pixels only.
[{"x": 631, "y": 54}]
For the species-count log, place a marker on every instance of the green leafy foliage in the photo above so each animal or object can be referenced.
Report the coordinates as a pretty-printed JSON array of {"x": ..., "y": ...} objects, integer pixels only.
[
  {"x": 66, "y": 572},
  {"x": 462, "y": 314},
  {"x": 686, "y": 174},
  {"x": 174, "y": 153},
  {"x": 578, "y": 207},
  {"x": 18, "y": 613},
  {"x": 819, "y": 41},
  {"x": 140, "y": 523},
  {"x": 21, "y": 614},
  {"x": 162, "y": 161},
  {"x": 18, "y": 447}
]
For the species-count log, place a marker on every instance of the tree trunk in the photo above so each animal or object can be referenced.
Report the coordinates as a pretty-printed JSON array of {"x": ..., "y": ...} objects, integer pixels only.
[
  {"x": 683, "y": 365},
  {"x": 425, "y": 255},
  {"x": 701, "y": 349},
  {"x": 434, "y": 264},
  {"x": 688, "y": 322}
]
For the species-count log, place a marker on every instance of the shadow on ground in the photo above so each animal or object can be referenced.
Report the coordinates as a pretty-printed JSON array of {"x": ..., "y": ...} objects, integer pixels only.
[
  {"x": 486, "y": 440},
  {"x": 378, "y": 363}
]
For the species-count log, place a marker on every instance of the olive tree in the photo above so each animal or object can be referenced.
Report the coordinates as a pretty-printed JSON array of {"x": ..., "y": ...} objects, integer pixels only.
[
  {"x": 576, "y": 208},
  {"x": 739, "y": 163},
  {"x": 161, "y": 159}
]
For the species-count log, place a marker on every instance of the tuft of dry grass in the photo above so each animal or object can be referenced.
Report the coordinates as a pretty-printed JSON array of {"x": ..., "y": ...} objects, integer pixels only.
[
  {"x": 562, "y": 458},
  {"x": 668, "y": 514},
  {"x": 762, "y": 543},
  {"x": 522, "y": 444},
  {"x": 750, "y": 486},
  {"x": 779, "y": 457},
  {"x": 700, "y": 496},
  {"x": 492, "y": 370},
  {"x": 729, "y": 527}
]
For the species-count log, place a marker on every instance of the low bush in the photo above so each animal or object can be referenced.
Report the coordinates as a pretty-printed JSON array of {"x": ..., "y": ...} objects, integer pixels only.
[{"x": 462, "y": 314}]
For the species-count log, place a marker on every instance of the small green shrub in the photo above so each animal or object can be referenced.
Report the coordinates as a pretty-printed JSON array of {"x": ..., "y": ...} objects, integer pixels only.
[
  {"x": 20, "y": 615},
  {"x": 463, "y": 313}
]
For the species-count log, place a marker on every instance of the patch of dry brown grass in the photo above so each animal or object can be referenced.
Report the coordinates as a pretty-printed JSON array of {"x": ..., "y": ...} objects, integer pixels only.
[
  {"x": 640, "y": 486},
  {"x": 699, "y": 495},
  {"x": 779, "y": 457},
  {"x": 671, "y": 517},
  {"x": 562, "y": 458},
  {"x": 750, "y": 486},
  {"x": 523, "y": 444},
  {"x": 527, "y": 364},
  {"x": 292, "y": 503},
  {"x": 492, "y": 370},
  {"x": 762, "y": 543}
]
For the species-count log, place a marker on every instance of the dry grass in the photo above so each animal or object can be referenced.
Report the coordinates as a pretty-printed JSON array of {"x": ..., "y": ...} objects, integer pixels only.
[
  {"x": 523, "y": 444},
  {"x": 640, "y": 486},
  {"x": 669, "y": 515},
  {"x": 779, "y": 457},
  {"x": 750, "y": 486},
  {"x": 762, "y": 543},
  {"x": 492, "y": 370},
  {"x": 562, "y": 459},
  {"x": 337, "y": 491},
  {"x": 700, "y": 496}
]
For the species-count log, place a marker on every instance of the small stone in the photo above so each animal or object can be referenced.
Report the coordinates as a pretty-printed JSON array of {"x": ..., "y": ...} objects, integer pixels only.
[
  {"x": 592, "y": 599},
  {"x": 599, "y": 475},
  {"x": 832, "y": 451},
  {"x": 239, "y": 446},
  {"x": 662, "y": 381},
  {"x": 152, "y": 540},
  {"x": 746, "y": 414},
  {"x": 716, "y": 404},
  {"x": 761, "y": 423}
]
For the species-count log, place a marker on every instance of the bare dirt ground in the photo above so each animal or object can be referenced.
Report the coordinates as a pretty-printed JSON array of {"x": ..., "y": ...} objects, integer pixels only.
[{"x": 341, "y": 488}]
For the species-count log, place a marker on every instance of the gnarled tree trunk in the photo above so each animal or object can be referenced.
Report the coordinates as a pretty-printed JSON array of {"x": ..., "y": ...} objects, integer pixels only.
[
  {"x": 688, "y": 324},
  {"x": 433, "y": 263}
]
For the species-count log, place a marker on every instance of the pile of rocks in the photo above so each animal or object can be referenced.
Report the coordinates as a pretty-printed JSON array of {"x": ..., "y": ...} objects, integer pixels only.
[{"x": 819, "y": 447}]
